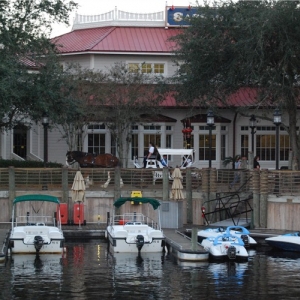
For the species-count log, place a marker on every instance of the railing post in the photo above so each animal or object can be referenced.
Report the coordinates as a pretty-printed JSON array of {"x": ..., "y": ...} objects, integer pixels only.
[
  {"x": 117, "y": 189},
  {"x": 264, "y": 198},
  {"x": 189, "y": 200},
  {"x": 256, "y": 198},
  {"x": 12, "y": 187},
  {"x": 65, "y": 187},
  {"x": 165, "y": 173}
]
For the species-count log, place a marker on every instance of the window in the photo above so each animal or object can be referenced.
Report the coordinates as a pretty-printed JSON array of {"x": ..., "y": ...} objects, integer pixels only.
[
  {"x": 266, "y": 143},
  {"x": 223, "y": 146},
  {"x": 96, "y": 143},
  {"x": 96, "y": 138},
  {"x": 244, "y": 145},
  {"x": 204, "y": 147},
  {"x": 133, "y": 67},
  {"x": 169, "y": 141},
  {"x": 151, "y": 138},
  {"x": 152, "y": 127},
  {"x": 134, "y": 145},
  {"x": 96, "y": 126},
  {"x": 146, "y": 68}
]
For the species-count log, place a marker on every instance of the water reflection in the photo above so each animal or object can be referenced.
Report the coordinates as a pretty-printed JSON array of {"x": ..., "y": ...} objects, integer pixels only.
[
  {"x": 49, "y": 266},
  {"x": 89, "y": 271},
  {"x": 137, "y": 265}
]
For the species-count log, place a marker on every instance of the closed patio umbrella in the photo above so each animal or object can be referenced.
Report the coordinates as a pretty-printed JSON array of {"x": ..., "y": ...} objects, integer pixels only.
[
  {"x": 176, "y": 192},
  {"x": 78, "y": 188},
  {"x": 78, "y": 191}
]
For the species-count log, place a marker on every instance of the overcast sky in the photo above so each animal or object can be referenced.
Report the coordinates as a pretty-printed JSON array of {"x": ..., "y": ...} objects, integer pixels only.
[{"x": 95, "y": 7}]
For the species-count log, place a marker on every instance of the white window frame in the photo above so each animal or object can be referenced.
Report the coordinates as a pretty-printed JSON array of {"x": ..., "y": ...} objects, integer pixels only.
[{"x": 140, "y": 63}]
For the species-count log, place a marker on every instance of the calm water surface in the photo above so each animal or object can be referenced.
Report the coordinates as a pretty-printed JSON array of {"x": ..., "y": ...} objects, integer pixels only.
[{"x": 88, "y": 271}]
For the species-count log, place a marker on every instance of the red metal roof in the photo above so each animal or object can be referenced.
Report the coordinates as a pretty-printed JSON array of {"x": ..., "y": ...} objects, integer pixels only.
[
  {"x": 244, "y": 97},
  {"x": 117, "y": 39}
]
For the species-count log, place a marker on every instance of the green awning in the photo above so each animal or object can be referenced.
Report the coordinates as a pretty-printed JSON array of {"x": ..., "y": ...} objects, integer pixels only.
[
  {"x": 36, "y": 197},
  {"x": 155, "y": 203}
]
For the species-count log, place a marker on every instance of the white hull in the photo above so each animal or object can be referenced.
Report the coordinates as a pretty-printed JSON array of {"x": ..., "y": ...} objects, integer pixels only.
[
  {"x": 219, "y": 248},
  {"x": 123, "y": 239},
  {"x": 214, "y": 232},
  {"x": 287, "y": 242},
  {"x": 21, "y": 239},
  {"x": 134, "y": 232},
  {"x": 34, "y": 232}
]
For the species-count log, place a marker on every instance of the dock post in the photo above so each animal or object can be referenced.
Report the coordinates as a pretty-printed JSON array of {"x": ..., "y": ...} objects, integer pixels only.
[{"x": 12, "y": 187}]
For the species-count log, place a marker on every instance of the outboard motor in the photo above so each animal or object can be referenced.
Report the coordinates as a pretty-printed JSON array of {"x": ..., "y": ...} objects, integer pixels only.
[
  {"x": 245, "y": 239},
  {"x": 231, "y": 252},
  {"x": 38, "y": 243},
  {"x": 140, "y": 242}
]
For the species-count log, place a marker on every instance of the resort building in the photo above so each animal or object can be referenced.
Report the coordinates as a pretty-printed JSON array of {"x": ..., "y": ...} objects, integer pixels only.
[{"x": 142, "y": 40}]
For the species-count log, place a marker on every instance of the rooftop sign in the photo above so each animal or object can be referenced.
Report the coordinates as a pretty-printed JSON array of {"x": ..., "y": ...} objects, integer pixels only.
[{"x": 178, "y": 16}]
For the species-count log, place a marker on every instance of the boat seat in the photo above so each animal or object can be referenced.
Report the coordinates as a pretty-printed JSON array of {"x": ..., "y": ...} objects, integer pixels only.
[{"x": 136, "y": 229}]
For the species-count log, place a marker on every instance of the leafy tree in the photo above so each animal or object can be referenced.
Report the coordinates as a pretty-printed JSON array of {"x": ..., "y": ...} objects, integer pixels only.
[
  {"x": 30, "y": 75},
  {"x": 125, "y": 97},
  {"x": 80, "y": 86},
  {"x": 118, "y": 97},
  {"x": 233, "y": 45}
]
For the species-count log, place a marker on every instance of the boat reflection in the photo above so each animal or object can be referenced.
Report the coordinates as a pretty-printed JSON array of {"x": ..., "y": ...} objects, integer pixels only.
[
  {"x": 228, "y": 269},
  {"x": 29, "y": 265},
  {"x": 274, "y": 253},
  {"x": 136, "y": 265}
]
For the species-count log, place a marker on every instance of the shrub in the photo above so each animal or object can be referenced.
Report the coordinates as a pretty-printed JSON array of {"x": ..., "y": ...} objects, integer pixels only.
[{"x": 5, "y": 163}]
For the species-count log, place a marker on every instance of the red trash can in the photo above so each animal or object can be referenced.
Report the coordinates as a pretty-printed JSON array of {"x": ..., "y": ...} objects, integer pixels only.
[
  {"x": 78, "y": 214},
  {"x": 63, "y": 209}
]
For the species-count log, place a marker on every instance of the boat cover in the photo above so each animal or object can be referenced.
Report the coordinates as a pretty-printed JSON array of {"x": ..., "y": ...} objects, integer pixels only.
[
  {"x": 36, "y": 197},
  {"x": 155, "y": 203}
]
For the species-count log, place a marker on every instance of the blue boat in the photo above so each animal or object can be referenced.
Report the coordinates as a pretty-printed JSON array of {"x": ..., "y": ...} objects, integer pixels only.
[{"x": 286, "y": 242}]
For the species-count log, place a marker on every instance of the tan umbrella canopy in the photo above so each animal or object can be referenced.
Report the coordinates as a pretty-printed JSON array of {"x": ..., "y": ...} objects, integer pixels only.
[
  {"x": 78, "y": 188},
  {"x": 176, "y": 192}
]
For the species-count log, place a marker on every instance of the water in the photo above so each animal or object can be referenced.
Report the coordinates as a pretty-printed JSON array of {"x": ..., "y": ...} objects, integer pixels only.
[{"x": 88, "y": 271}]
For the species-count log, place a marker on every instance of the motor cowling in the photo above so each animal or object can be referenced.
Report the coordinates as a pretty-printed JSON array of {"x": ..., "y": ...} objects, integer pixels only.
[
  {"x": 140, "y": 241},
  {"x": 38, "y": 242},
  {"x": 231, "y": 252},
  {"x": 245, "y": 239}
]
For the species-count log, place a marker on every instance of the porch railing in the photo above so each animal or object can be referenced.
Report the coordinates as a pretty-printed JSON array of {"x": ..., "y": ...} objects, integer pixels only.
[{"x": 281, "y": 182}]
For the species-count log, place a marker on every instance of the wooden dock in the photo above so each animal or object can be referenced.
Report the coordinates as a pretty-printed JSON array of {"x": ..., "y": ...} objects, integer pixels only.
[{"x": 183, "y": 247}]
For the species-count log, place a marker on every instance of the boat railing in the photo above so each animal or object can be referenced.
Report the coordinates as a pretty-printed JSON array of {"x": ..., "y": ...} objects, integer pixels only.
[
  {"x": 134, "y": 218},
  {"x": 35, "y": 220}
]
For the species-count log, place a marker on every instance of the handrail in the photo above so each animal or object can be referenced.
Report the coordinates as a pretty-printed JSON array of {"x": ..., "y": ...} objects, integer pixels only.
[{"x": 228, "y": 207}]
